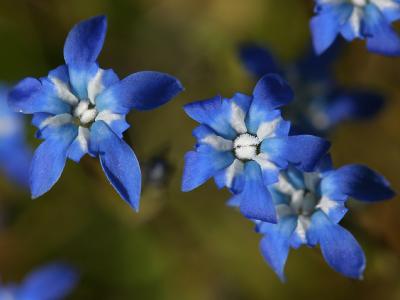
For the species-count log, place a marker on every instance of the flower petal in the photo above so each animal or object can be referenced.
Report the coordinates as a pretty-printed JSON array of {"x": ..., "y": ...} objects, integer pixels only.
[
  {"x": 255, "y": 199},
  {"x": 143, "y": 91},
  {"x": 225, "y": 116},
  {"x": 258, "y": 60},
  {"x": 381, "y": 37},
  {"x": 54, "y": 281},
  {"x": 339, "y": 248},
  {"x": 85, "y": 41},
  {"x": 304, "y": 151},
  {"x": 118, "y": 161},
  {"x": 357, "y": 181},
  {"x": 31, "y": 96},
  {"x": 275, "y": 244},
  {"x": 202, "y": 165},
  {"x": 271, "y": 92},
  {"x": 326, "y": 25},
  {"x": 49, "y": 159}
]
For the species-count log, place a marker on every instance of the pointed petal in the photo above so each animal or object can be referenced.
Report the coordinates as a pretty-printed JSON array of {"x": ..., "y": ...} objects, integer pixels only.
[
  {"x": 85, "y": 41},
  {"x": 143, "y": 91},
  {"x": 275, "y": 244},
  {"x": 357, "y": 181},
  {"x": 339, "y": 248},
  {"x": 49, "y": 160},
  {"x": 118, "y": 161},
  {"x": 255, "y": 199}
]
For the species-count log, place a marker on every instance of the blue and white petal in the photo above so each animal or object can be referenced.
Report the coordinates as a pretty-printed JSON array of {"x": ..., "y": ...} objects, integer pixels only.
[
  {"x": 49, "y": 159},
  {"x": 80, "y": 146},
  {"x": 225, "y": 116},
  {"x": 255, "y": 199},
  {"x": 117, "y": 122},
  {"x": 339, "y": 248},
  {"x": 118, "y": 161},
  {"x": 31, "y": 96}
]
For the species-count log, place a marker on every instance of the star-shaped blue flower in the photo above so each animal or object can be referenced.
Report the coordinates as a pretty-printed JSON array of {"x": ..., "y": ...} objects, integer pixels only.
[
  {"x": 51, "y": 282},
  {"x": 310, "y": 205},
  {"x": 363, "y": 19},
  {"x": 15, "y": 154},
  {"x": 243, "y": 143},
  {"x": 80, "y": 108},
  {"x": 321, "y": 103}
]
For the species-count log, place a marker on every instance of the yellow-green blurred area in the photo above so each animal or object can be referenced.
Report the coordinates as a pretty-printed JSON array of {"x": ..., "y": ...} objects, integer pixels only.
[{"x": 188, "y": 246}]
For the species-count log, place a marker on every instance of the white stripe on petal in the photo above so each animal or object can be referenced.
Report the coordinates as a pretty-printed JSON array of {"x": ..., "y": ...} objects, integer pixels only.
[
  {"x": 355, "y": 20},
  {"x": 217, "y": 142},
  {"x": 57, "y": 120},
  {"x": 238, "y": 119},
  {"x": 234, "y": 169},
  {"x": 267, "y": 129},
  {"x": 386, "y": 4},
  {"x": 108, "y": 117},
  {"x": 264, "y": 162},
  {"x": 83, "y": 138},
  {"x": 326, "y": 204},
  {"x": 63, "y": 91},
  {"x": 95, "y": 86},
  {"x": 303, "y": 223},
  {"x": 284, "y": 186}
]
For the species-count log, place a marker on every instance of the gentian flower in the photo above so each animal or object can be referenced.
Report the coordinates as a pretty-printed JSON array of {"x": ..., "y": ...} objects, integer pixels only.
[
  {"x": 363, "y": 19},
  {"x": 80, "y": 108},
  {"x": 321, "y": 103},
  {"x": 51, "y": 282},
  {"x": 15, "y": 154},
  {"x": 243, "y": 143},
  {"x": 310, "y": 205}
]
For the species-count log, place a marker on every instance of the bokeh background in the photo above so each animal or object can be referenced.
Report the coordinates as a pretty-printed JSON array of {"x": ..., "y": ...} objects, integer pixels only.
[{"x": 188, "y": 245}]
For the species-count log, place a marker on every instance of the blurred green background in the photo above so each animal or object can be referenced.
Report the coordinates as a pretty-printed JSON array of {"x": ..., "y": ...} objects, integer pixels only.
[{"x": 188, "y": 246}]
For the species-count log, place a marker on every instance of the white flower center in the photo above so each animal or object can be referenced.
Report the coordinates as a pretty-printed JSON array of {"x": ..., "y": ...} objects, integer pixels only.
[
  {"x": 359, "y": 2},
  {"x": 304, "y": 202},
  {"x": 246, "y": 146},
  {"x": 85, "y": 112}
]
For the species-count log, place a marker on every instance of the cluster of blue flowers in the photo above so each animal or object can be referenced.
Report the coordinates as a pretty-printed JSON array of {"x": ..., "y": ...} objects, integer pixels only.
[
  {"x": 284, "y": 183},
  {"x": 280, "y": 176}
]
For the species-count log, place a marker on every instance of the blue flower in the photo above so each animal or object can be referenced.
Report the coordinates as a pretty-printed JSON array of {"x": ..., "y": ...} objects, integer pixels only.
[
  {"x": 243, "y": 143},
  {"x": 80, "y": 108},
  {"x": 321, "y": 103},
  {"x": 15, "y": 154},
  {"x": 310, "y": 205},
  {"x": 364, "y": 19},
  {"x": 51, "y": 282}
]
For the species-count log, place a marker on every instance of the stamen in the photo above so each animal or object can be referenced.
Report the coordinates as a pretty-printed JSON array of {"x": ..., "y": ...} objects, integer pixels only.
[{"x": 246, "y": 146}]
